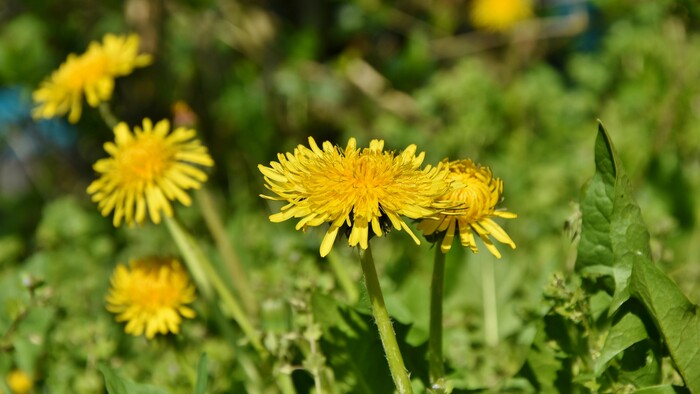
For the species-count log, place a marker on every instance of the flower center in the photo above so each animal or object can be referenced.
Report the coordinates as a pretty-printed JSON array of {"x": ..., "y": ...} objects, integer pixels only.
[
  {"x": 155, "y": 293},
  {"x": 368, "y": 178},
  {"x": 365, "y": 176},
  {"x": 155, "y": 285},
  {"x": 144, "y": 160}
]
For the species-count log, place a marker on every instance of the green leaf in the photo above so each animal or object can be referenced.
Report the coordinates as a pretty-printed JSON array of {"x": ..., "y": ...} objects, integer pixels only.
[
  {"x": 626, "y": 332},
  {"x": 612, "y": 228},
  {"x": 201, "y": 385},
  {"x": 640, "y": 365},
  {"x": 662, "y": 389},
  {"x": 595, "y": 246},
  {"x": 117, "y": 384},
  {"x": 676, "y": 317}
]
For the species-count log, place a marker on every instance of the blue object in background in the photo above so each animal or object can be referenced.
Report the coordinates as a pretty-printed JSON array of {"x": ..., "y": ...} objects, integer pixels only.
[
  {"x": 16, "y": 114},
  {"x": 24, "y": 141}
]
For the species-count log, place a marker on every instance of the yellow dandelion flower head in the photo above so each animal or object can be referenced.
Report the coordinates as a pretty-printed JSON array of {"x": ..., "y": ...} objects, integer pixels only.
[
  {"x": 476, "y": 192},
  {"x": 19, "y": 382},
  {"x": 499, "y": 15},
  {"x": 91, "y": 74},
  {"x": 151, "y": 295},
  {"x": 354, "y": 189},
  {"x": 146, "y": 170}
]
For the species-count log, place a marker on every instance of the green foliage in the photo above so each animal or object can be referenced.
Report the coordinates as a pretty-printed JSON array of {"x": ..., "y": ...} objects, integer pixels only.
[
  {"x": 676, "y": 318},
  {"x": 117, "y": 384},
  {"x": 613, "y": 311},
  {"x": 646, "y": 318},
  {"x": 202, "y": 373}
]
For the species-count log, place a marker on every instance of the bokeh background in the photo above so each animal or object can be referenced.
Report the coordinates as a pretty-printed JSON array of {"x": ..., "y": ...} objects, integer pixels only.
[{"x": 261, "y": 77}]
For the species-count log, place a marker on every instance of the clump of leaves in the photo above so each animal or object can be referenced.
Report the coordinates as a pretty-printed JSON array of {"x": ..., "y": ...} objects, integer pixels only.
[{"x": 619, "y": 324}]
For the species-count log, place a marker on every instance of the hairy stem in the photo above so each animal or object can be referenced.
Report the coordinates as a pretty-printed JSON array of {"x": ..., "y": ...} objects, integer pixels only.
[{"x": 386, "y": 331}]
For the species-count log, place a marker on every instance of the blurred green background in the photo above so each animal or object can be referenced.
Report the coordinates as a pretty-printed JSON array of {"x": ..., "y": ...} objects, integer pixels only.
[{"x": 262, "y": 77}]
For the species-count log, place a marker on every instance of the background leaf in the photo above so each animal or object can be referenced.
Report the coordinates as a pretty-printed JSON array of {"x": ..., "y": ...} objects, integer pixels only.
[
  {"x": 351, "y": 342},
  {"x": 116, "y": 384},
  {"x": 202, "y": 375}
]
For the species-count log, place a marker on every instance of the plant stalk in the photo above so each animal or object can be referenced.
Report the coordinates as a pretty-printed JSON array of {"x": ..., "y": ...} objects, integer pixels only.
[
  {"x": 386, "y": 331},
  {"x": 436, "y": 368},
  {"x": 198, "y": 262},
  {"x": 490, "y": 304},
  {"x": 239, "y": 277},
  {"x": 107, "y": 115}
]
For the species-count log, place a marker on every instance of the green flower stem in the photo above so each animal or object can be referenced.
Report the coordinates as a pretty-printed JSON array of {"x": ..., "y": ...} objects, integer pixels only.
[
  {"x": 488, "y": 283},
  {"x": 239, "y": 277},
  {"x": 108, "y": 115},
  {"x": 436, "y": 366},
  {"x": 192, "y": 255},
  {"x": 386, "y": 331},
  {"x": 198, "y": 263},
  {"x": 344, "y": 279}
]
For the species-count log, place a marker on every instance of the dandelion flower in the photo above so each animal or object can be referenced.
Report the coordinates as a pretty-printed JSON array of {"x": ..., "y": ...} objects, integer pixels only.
[
  {"x": 146, "y": 170},
  {"x": 476, "y": 192},
  {"x": 91, "y": 74},
  {"x": 354, "y": 189},
  {"x": 151, "y": 296},
  {"x": 19, "y": 382},
  {"x": 499, "y": 15}
]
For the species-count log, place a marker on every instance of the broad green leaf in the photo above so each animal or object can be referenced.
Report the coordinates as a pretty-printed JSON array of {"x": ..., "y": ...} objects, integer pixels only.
[
  {"x": 595, "y": 245},
  {"x": 626, "y": 332},
  {"x": 632, "y": 342},
  {"x": 201, "y": 385},
  {"x": 117, "y": 384},
  {"x": 351, "y": 343},
  {"x": 640, "y": 364},
  {"x": 612, "y": 227},
  {"x": 662, "y": 389},
  {"x": 676, "y": 317}
]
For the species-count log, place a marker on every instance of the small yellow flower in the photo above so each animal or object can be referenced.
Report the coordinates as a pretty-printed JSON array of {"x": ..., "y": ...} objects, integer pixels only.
[
  {"x": 476, "y": 190},
  {"x": 146, "y": 170},
  {"x": 19, "y": 382},
  {"x": 91, "y": 74},
  {"x": 499, "y": 15},
  {"x": 354, "y": 189},
  {"x": 151, "y": 296}
]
